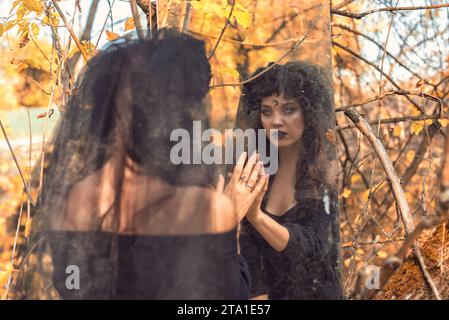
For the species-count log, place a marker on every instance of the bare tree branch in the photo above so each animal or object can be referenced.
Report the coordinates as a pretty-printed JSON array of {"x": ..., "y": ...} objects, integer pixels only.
[
  {"x": 391, "y": 93},
  {"x": 136, "y": 18},
  {"x": 395, "y": 182},
  {"x": 388, "y": 9}
]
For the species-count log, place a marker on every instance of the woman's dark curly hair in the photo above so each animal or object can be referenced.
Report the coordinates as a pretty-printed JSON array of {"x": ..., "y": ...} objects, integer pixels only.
[
  {"x": 133, "y": 96},
  {"x": 304, "y": 83}
]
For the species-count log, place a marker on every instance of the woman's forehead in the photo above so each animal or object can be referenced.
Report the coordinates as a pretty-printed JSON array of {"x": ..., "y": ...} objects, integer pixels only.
[{"x": 275, "y": 100}]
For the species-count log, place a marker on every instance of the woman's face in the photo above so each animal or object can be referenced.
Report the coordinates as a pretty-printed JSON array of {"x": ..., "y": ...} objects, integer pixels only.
[{"x": 286, "y": 115}]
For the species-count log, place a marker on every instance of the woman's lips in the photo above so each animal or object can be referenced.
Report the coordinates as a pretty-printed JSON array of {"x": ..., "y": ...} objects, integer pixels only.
[{"x": 282, "y": 134}]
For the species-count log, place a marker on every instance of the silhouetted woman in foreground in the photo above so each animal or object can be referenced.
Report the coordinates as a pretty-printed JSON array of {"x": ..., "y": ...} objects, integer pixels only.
[{"x": 117, "y": 219}]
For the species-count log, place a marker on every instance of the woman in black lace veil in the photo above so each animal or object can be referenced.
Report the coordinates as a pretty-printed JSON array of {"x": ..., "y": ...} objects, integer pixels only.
[
  {"x": 290, "y": 238},
  {"x": 116, "y": 218}
]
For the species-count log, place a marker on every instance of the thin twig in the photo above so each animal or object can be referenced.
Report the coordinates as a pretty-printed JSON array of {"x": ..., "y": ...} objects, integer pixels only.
[
  {"x": 390, "y": 93},
  {"x": 25, "y": 187},
  {"x": 227, "y": 23},
  {"x": 395, "y": 120},
  {"x": 72, "y": 34},
  {"x": 387, "y": 9}
]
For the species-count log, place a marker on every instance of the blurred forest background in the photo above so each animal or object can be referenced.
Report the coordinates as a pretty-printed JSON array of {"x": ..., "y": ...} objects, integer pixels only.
[{"x": 389, "y": 61}]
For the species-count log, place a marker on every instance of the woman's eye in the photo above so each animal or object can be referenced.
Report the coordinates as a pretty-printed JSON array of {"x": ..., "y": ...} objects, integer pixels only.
[
  {"x": 289, "y": 109},
  {"x": 266, "y": 112}
]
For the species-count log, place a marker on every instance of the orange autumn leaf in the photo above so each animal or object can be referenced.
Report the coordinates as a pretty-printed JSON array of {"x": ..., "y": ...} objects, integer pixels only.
[
  {"x": 346, "y": 193},
  {"x": 112, "y": 35},
  {"x": 443, "y": 122},
  {"x": 129, "y": 24},
  {"x": 331, "y": 137}
]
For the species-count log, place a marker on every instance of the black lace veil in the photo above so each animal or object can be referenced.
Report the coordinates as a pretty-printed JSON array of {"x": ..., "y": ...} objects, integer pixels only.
[{"x": 109, "y": 175}]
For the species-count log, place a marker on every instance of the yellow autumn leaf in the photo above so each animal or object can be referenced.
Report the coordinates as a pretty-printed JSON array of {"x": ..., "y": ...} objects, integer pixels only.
[
  {"x": 34, "y": 29},
  {"x": 4, "y": 275},
  {"x": 410, "y": 155},
  {"x": 232, "y": 72},
  {"x": 355, "y": 178},
  {"x": 1, "y": 29},
  {"x": 443, "y": 122},
  {"x": 210, "y": 7},
  {"x": 21, "y": 66},
  {"x": 197, "y": 5},
  {"x": 382, "y": 254},
  {"x": 21, "y": 12},
  {"x": 88, "y": 47},
  {"x": 129, "y": 24},
  {"x": 417, "y": 127},
  {"x": 217, "y": 9},
  {"x": 347, "y": 262},
  {"x": 112, "y": 35},
  {"x": 242, "y": 16},
  {"x": 24, "y": 28},
  {"x": 9, "y": 25},
  {"x": 52, "y": 20},
  {"x": 416, "y": 112},
  {"x": 397, "y": 131},
  {"x": 365, "y": 195},
  {"x": 346, "y": 193},
  {"x": 14, "y": 5},
  {"x": 33, "y": 5}
]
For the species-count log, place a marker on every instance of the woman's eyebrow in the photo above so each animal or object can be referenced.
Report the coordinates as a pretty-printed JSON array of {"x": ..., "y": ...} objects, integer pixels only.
[{"x": 292, "y": 103}]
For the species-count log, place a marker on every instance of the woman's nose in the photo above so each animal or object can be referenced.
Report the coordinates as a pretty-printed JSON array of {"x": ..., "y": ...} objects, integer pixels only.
[{"x": 277, "y": 120}]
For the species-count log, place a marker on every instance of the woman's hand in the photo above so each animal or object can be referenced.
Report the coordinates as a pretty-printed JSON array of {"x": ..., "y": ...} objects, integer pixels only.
[
  {"x": 246, "y": 185},
  {"x": 254, "y": 211}
]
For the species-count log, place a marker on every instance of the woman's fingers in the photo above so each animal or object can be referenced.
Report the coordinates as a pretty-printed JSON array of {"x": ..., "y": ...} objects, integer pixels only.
[
  {"x": 236, "y": 174},
  {"x": 265, "y": 187},
  {"x": 246, "y": 173},
  {"x": 220, "y": 184},
  {"x": 254, "y": 177},
  {"x": 261, "y": 185}
]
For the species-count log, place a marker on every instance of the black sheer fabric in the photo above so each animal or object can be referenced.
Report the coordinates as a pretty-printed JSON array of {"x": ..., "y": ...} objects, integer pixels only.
[
  {"x": 309, "y": 266},
  {"x": 114, "y": 207},
  {"x": 306, "y": 269}
]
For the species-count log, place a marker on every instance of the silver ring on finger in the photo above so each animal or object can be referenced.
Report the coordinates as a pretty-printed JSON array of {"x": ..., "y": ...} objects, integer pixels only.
[{"x": 249, "y": 186}]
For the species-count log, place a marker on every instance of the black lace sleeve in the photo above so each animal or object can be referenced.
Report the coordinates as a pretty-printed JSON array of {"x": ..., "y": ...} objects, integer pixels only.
[{"x": 310, "y": 228}]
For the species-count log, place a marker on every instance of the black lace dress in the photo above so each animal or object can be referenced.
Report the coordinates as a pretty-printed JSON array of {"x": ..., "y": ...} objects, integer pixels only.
[{"x": 307, "y": 269}]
